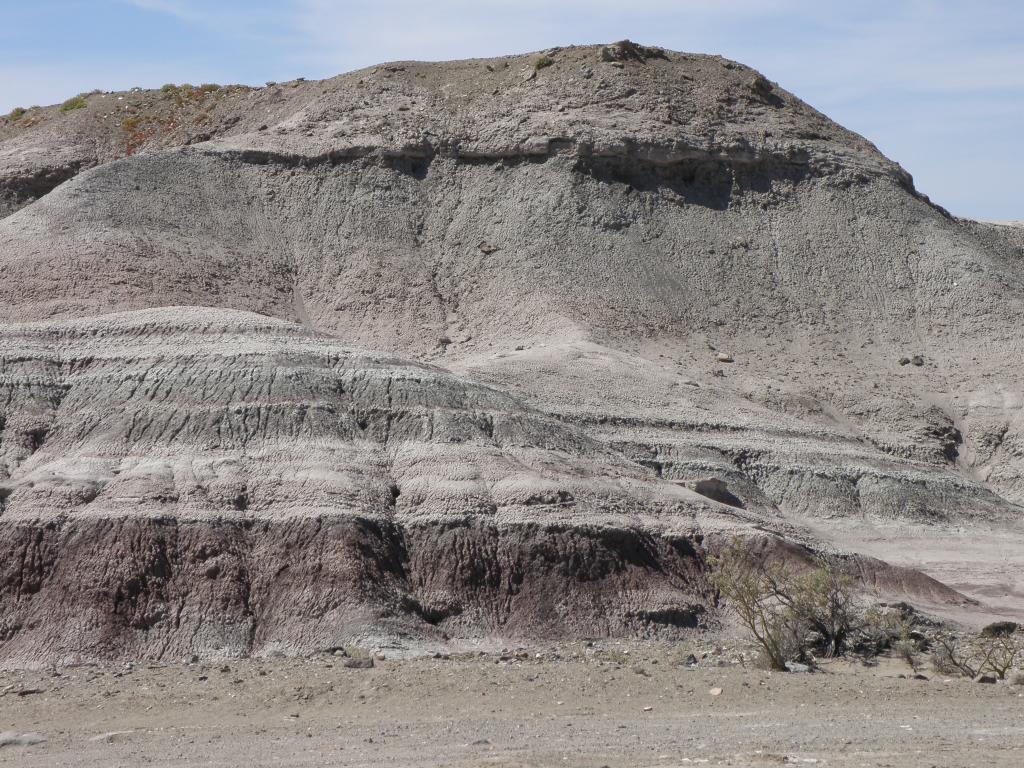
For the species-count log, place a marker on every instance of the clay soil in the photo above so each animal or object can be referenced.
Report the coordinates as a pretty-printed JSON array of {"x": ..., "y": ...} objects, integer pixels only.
[{"x": 587, "y": 706}]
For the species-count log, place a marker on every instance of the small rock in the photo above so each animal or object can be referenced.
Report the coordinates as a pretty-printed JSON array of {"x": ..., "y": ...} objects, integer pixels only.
[
  {"x": 725, "y": 358},
  {"x": 648, "y": 709},
  {"x": 792, "y": 666},
  {"x": 904, "y": 361},
  {"x": 987, "y": 679},
  {"x": 715, "y": 691},
  {"x": 691, "y": 661},
  {"x": 529, "y": 75},
  {"x": 919, "y": 676},
  {"x": 917, "y": 360},
  {"x": 486, "y": 248},
  {"x": 366, "y": 663}
]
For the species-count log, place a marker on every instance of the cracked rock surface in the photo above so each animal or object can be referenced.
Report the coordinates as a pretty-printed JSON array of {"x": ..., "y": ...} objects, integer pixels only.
[{"x": 483, "y": 347}]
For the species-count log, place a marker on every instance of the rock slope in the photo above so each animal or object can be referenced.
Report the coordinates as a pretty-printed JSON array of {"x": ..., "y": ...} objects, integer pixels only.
[{"x": 619, "y": 300}]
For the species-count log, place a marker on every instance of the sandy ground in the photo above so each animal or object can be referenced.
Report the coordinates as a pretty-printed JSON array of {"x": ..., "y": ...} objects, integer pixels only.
[{"x": 573, "y": 706}]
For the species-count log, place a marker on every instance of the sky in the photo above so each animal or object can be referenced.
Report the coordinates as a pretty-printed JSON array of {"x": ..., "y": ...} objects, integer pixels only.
[{"x": 937, "y": 85}]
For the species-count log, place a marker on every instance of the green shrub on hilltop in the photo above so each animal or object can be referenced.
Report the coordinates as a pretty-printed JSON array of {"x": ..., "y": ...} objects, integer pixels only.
[
  {"x": 75, "y": 102},
  {"x": 16, "y": 114}
]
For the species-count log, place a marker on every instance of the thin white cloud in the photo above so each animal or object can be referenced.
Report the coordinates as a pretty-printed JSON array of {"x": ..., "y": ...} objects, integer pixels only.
[{"x": 176, "y": 8}]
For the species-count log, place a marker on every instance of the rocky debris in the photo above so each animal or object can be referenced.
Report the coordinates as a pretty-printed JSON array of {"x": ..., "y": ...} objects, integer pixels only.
[
  {"x": 626, "y": 50},
  {"x": 986, "y": 678}
]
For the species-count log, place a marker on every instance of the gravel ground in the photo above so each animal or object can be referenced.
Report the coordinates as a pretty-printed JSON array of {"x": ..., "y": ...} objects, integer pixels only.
[{"x": 574, "y": 706}]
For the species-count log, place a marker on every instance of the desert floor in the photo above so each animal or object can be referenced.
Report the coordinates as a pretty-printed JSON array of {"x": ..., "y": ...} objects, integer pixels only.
[{"x": 604, "y": 704}]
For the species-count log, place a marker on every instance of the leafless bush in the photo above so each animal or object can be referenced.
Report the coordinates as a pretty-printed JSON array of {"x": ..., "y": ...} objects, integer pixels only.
[
  {"x": 973, "y": 656},
  {"x": 782, "y": 609}
]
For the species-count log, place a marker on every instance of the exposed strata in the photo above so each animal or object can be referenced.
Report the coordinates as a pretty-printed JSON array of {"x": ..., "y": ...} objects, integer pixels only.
[{"x": 552, "y": 262}]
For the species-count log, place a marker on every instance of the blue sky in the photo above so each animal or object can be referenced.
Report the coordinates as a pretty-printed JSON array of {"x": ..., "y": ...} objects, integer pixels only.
[{"x": 938, "y": 85}]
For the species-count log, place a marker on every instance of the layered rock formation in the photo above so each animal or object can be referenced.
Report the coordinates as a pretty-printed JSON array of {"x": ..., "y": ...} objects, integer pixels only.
[{"x": 608, "y": 306}]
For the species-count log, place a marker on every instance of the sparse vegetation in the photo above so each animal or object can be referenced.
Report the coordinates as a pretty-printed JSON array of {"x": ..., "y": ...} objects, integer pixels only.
[
  {"x": 543, "y": 62},
  {"x": 615, "y": 656},
  {"x": 16, "y": 114},
  {"x": 356, "y": 652},
  {"x": 971, "y": 657},
  {"x": 75, "y": 102},
  {"x": 789, "y": 614}
]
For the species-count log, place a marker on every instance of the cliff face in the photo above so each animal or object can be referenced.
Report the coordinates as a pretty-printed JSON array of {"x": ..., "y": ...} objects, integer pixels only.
[{"x": 621, "y": 299}]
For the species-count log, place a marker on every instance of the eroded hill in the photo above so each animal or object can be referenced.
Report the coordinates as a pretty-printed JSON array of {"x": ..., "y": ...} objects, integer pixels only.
[{"x": 492, "y": 346}]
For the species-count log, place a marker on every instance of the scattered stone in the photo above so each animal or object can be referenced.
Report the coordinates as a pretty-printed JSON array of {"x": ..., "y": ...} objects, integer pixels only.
[
  {"x": 725, "y": 358},
  {"x": 917, "y": 360},
  {"x": 792, "y": 666},
  {"x": 691, "y": 661},
  {"x": 486, "y": 248},
  {"x": 985, "y": 678},
  {"x": 715, "y": 691},
  {"x": 366, "y": 663}
]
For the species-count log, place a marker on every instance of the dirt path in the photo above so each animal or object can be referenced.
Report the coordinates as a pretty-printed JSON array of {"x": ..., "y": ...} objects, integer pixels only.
[{"x": 647, "y": 710}]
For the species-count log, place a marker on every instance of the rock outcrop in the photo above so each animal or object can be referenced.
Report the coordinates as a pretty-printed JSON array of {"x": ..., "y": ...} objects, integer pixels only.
[{"x": 476, "y": 347}]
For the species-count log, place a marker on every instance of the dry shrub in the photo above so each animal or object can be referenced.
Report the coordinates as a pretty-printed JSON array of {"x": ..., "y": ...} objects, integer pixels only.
[{"x": 788, "y": 613}]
